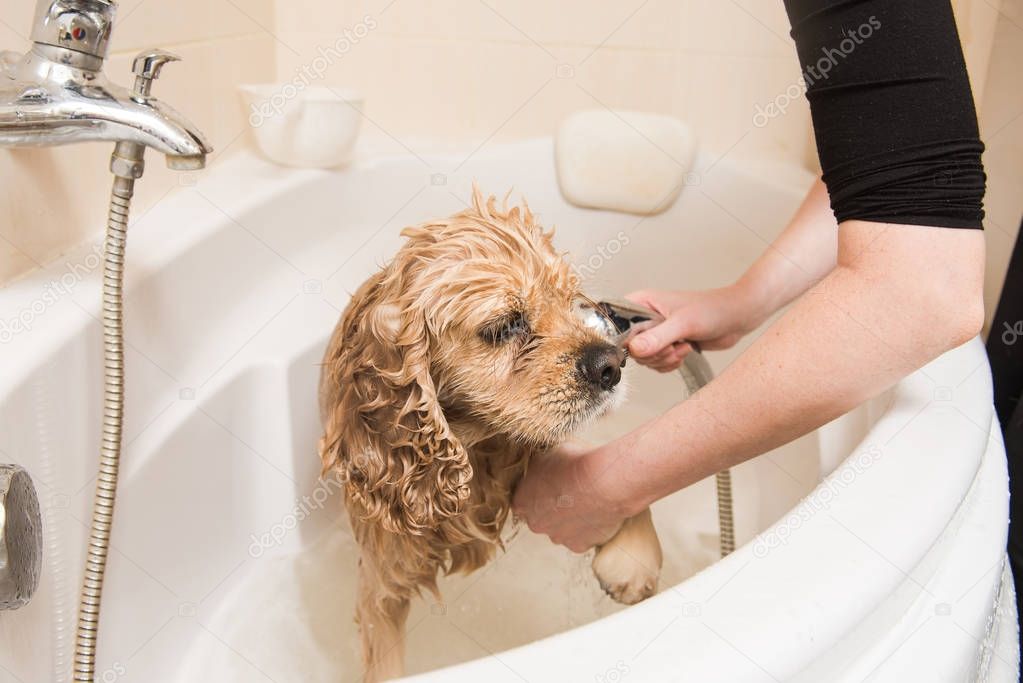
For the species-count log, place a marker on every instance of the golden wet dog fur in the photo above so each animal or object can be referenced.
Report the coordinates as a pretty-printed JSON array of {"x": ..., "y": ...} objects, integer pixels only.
[{"x": 449, "y": 369}]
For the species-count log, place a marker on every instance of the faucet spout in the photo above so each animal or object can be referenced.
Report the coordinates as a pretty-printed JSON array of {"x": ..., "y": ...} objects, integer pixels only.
[{"x": 45, "y": 101}]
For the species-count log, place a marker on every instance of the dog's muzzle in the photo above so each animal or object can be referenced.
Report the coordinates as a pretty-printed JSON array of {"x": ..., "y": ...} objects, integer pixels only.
[{"x": 600, "y": 365}]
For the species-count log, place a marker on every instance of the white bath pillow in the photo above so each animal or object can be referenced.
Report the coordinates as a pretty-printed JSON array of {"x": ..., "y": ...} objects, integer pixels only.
[{"x": 623, "y": 160}]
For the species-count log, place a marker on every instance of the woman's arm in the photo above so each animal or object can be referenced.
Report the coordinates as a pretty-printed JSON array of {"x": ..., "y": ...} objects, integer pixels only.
[
  {"x": 899, "y": 296},
  {"x": 803, "y": 254},
  {"x": 879, "y": 315}
]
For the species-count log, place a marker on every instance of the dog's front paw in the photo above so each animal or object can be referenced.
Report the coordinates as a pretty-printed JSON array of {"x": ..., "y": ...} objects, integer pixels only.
[
  {"x": 629, "y": 565},
  {"x": 622, "y": 577}
]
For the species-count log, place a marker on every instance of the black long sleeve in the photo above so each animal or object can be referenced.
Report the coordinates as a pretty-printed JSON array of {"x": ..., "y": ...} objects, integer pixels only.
[{"x": 892, "y": 110}]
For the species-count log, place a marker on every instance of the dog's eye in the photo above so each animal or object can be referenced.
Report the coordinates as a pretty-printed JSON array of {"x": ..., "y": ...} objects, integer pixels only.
[{"x": 505, "y": 329}]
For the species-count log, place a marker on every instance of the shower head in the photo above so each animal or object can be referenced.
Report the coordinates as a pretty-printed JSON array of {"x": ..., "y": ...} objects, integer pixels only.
[
  {"x": 619, "y": 320},
  {"x": 21, "y": 538}
]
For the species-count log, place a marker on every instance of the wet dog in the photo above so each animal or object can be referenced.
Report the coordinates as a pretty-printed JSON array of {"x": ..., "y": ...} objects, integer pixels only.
[{"x": 450, "y": 368}]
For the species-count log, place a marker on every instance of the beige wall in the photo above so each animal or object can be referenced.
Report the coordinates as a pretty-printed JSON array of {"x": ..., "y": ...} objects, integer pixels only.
[
  {"x": 976, "y": 20},
  {"x": 1001, "y": 124},
  {"x": 51, "y": 199}
]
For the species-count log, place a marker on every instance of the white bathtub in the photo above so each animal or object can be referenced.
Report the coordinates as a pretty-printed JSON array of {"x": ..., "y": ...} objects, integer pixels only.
[{"x": 232, "y": 563}]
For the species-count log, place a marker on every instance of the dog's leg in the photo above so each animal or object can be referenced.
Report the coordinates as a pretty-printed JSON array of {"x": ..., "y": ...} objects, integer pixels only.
[
  {"x": 628, "y": 565},
  {"x": 381, "y": 616}
]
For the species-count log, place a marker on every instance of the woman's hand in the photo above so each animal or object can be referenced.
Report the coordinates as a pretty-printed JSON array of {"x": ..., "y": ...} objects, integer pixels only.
[
  {"x": 560, "y": 497},
  {"x": 716, "y": 318}
]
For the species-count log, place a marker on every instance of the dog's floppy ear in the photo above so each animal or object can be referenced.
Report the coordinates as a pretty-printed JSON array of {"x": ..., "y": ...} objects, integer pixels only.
[{"x": 385, "y": 431}]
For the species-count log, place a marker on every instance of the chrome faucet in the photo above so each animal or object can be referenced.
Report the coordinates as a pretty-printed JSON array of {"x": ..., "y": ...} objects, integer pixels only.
[{"x": 57, "y": 94}]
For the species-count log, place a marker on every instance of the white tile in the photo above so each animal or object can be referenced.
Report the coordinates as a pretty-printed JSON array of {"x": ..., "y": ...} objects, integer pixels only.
[
  {"x": 15, "y": 24},
  {"x": 157, "y": 23},
  {"x": 739, "y": 27}
]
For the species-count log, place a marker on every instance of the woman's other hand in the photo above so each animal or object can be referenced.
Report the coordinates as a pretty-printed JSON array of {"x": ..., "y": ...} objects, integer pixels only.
[{"x": 565, "y": 497}]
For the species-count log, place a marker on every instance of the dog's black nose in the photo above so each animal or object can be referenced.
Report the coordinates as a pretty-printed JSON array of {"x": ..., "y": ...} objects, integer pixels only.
[{"x": 600, "y": 365}]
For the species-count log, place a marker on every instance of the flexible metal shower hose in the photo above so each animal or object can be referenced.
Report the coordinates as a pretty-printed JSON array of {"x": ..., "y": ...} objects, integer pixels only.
[
  {"x": 113, "y": 413},
  {"x": 725, "y": 523}
]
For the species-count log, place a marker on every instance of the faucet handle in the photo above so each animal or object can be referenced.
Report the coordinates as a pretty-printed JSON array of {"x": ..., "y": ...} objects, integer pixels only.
[
  {"x": 21, "y": 539},
  {"x": 146, "y": 67}
]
